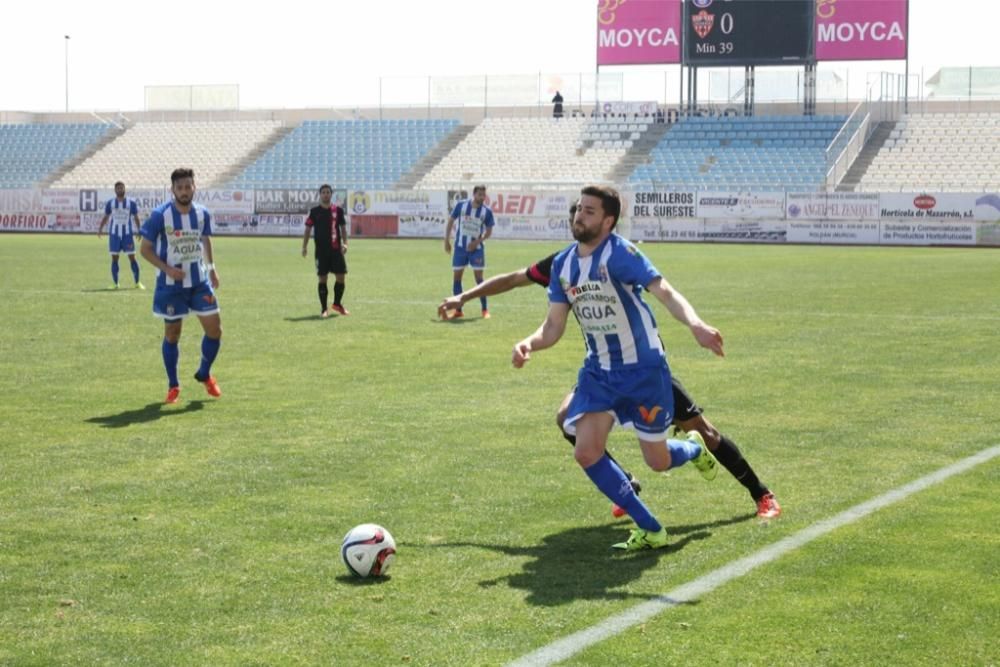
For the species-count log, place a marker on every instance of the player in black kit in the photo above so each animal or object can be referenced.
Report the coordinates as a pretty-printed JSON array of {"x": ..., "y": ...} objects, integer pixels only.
[
  {"x": 330, "y": 227},
  {"x": 688, "y": 414}
]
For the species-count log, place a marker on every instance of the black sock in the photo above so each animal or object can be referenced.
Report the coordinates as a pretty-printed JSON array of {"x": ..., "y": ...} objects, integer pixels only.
[
  {"x": 729, "y": 455},
  {"x": 324, "y": 294},
  {"x": 338, "y": 293}
]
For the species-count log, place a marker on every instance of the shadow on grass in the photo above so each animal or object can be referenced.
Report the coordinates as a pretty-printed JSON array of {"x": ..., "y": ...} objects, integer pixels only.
[
  {"x": 456, "y": 321},
  {"x": 120, "y": 290},
  {"x": 148, "y": 413},
  {"x": 351, "y": 580},
  {"x": 310, "y": 318},
  {"x": 578, "y": 564}
]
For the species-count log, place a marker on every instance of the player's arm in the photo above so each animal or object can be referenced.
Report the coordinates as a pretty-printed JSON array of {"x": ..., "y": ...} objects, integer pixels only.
[
  {"x": 100, "y": 227},
  {"x": 138, "y": 224},
  {"x": 149, "y": 254},
  {"x": 447, "y": 233},
  {"x": 505, "y": 282},
  {"x": 342, "y": 230},
  {"x": 547, "y": 335},
  {"x": 682, "y": 311},
  {"x": 305, "y": 236},
  {"x": 213, "y": 274}
]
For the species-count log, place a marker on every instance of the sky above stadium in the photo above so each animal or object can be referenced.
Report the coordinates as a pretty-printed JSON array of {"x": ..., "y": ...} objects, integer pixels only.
[{"x": 300, "y": 53}]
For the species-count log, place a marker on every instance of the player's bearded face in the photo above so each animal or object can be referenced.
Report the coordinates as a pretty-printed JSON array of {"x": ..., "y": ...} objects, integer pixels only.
[
  {"x": 325, "y": 196},
  {"x": 589, "y": 221},
  {"x": 183, "y": 191}
]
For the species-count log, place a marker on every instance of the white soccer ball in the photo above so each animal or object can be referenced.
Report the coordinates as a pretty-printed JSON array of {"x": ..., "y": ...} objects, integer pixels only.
[{"x": 368, "y": 550}]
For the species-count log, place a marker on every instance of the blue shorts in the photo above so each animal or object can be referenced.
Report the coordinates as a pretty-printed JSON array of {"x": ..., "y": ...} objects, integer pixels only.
[
  {"x": 121, "y": 243},
  {"x": 176, "y": 303},
  {"x": 638, "y": 398},
  {"x": 476, "y": 259}
]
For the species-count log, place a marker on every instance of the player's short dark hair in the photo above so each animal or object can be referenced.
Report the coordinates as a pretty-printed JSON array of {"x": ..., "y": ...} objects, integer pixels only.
[
  {"x": 117, "y": 183},
  {"x": 611, "y": 201},
  {"x": 479, "y": 188},
  {"x": 181, "y": 173},
  {"x": 326, "y": 186},
  {"x": 572, "y": 211}
]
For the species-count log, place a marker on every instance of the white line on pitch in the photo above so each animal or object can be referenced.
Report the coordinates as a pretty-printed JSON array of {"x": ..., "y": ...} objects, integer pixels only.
[{"x": 571, "y": 645}]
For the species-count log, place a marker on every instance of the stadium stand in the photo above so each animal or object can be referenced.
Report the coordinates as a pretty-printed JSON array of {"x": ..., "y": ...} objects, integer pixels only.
[
  {"x": 146, "y": 153},
  {"x": 532, "y": 151},
  {"x": 367, "y": 154},
  {"x": 756, "y": 152},
  {"x": 952, "y": 152},
  {"x": 30, "y": 152}
]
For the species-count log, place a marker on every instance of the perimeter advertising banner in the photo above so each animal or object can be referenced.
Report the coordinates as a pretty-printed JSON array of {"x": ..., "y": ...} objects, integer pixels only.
[
  {"x": 861, "y": 29},
  {"x": 832, "y": 206},
  {"x": 638, "y": 32},
  {"x": 725, "y": 204},
  {"x": 978, "y": 206}
]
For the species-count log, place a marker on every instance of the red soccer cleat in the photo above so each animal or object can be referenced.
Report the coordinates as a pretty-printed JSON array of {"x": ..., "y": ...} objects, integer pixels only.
[
  {"x": 212, "y": 387},
  {"x": 768, "y": 507},
  {"x": 340, "y": 309},
  {"x": 486, "y": 314},
  {"x": 173, "y": 395}
]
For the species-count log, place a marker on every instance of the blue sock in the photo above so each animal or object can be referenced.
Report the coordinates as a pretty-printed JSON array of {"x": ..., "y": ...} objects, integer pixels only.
[
  {"x": 482, "y": 299},
  {"x": 209, "y": 350},
  {"x": 682, "y": 451},
  {"x": 114, "y": 271},
  {"x": 171, "y": 354},
  {"x": 613, "y": 483},
  {"x": 456, "y": 287},
  {"x": 135, "y": 268}
]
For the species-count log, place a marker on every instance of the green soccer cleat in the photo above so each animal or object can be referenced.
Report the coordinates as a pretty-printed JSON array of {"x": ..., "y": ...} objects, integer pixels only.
[
  {"x": 140, "y": 286},
  {"x": 641, "y": 539},
  {"x": 705, "y": 462}
]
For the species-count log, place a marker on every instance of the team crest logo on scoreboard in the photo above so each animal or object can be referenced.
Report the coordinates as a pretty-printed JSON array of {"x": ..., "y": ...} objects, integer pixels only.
[
  {"x": 360, "y": 202},
  {"x": 702, "y": 4},
  {"x": 702, "y": 23}
]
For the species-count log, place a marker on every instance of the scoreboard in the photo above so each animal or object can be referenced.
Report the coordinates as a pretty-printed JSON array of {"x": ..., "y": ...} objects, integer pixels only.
[{"x": 732, "y": 33}]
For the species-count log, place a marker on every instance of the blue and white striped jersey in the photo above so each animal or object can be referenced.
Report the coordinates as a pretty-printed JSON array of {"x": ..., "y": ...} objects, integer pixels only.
[
  {"x": 120, "y": 214},
  {"x": 604, "y": 289},
  {"x": 471, "y": 223},
  {"x": 176, "y": 240}
]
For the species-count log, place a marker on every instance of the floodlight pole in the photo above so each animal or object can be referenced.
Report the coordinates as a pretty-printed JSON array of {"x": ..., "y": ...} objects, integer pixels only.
[{"x": 66, "y": 59}]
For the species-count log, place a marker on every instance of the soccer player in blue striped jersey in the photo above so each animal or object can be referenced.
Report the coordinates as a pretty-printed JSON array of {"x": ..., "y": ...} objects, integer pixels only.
[
  {"x": 625, "y": 378},
  {"x": 121, "y": 211},
  {"x": 475, "y": 225},
  {"x": 177, "y": 240}
]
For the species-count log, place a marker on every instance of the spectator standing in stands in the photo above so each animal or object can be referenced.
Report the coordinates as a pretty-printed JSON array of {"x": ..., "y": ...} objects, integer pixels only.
[
  {"x": 177, "y": 240},
  {"x": 330, "y": 227},
  {"x": 121, "y": 211},
  {"x": 557, "y": 105},
  {"x": 475, "y": 225}
]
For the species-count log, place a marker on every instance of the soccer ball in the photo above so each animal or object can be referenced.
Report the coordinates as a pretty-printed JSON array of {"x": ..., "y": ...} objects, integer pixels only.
[{"x": 368, "y": 550}]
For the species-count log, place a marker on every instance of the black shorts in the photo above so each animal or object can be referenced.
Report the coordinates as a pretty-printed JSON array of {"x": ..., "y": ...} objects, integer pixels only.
[
  {"x": 684, "y": 406},
  {"x": 330, "y": 262}
]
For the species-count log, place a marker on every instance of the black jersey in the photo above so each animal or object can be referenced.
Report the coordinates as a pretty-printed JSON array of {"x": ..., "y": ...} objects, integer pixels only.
[
  {"x": 541, "y": 271},
  {"x": 329, "y": 227}
]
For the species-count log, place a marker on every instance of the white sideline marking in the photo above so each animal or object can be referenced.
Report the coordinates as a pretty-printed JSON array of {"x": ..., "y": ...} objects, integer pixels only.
[{"x": 568, "y": 646}]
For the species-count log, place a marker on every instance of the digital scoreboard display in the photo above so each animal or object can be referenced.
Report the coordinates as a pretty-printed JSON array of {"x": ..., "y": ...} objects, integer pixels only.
[{"x": 748, "y": 32}]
